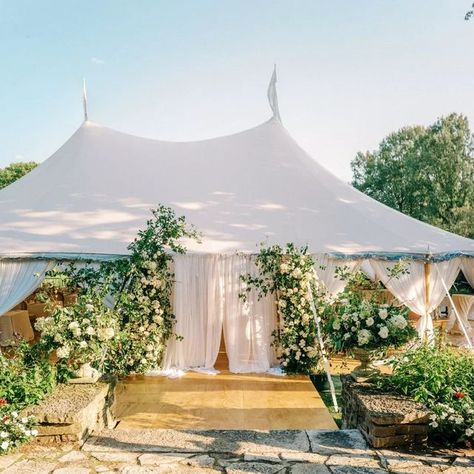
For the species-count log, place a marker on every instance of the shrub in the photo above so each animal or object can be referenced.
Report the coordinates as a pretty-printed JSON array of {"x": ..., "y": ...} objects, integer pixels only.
[
  {"x": 26, "y": 376},
  {"x": 443, "y": 379},
  {"x": 14, "y": 430}
]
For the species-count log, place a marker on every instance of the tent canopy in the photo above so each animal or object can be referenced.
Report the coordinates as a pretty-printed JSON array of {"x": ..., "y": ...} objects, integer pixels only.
[{"x": 95, "y": 192}]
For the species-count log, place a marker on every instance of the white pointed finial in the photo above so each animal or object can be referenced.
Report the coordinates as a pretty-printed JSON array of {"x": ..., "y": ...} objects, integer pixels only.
[
  {"x": 272, "y": 95},
  {"x": 84, "y": 100}
]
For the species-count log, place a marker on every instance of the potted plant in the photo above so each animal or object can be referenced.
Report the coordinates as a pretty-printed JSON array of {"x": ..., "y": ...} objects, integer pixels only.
[
  {"x": 366, "y": 329},
  {"x": 80, "y": 335}
]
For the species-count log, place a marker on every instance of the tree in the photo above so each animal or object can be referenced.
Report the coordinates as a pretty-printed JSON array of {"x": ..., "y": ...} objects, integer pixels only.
[
  {"x": 425, "y": 172},
  {"x": 15, "y": 171}
]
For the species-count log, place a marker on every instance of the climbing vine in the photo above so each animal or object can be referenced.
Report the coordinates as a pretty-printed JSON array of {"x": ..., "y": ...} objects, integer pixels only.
[{"x": 287, "y": 272}]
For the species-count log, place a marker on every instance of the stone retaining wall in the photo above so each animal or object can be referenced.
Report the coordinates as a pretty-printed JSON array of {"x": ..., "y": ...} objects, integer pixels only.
[
  {"x": 386, "y": 420},
  {"x": 73, "y": 412}
]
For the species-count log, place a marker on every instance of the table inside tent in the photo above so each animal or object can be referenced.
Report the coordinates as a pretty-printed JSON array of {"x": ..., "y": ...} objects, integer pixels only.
[{"x": 15, "y": 324}]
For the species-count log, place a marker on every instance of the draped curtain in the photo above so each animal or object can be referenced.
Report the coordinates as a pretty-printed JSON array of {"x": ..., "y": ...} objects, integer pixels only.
[
  {"x": 248, "y": 325},
  {"x": 410, "y": 288},
  {"x": 207, "y": 304},
  {"x": 467, "y": 266},
  {"x": 326, "y": 270},
  {"x": 18, "y": 279},
  {"x": 198, "y": 307}
]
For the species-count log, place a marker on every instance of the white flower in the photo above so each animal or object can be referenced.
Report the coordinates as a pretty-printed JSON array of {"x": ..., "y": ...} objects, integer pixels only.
[
  {"x": 347, "y": 336},
  {"x": 383, "y": 313},
  {"x": 24, "y": 420},
  {"x": 433, "y": 424},
  {"x": 3, "y": 434},
  {"x": 433, "y": 416},
  {"x": 83, "y": 344},
  {"x": 469, "y": 432},
  {"x": 34, "y": 432},
  {"x": 14, "y": 414},
  {"x": 369, "y": 321},
  {"x": 363, "y": 337},
  {"x": 73, "y": 325},
  {"x": 89, "y": 307},
  {"x": 284, "y": 268},
  {"x": 398, "y": 321},
  {"x": 63, "y": 352},
  {"x": 383, "y": 333},
  {"x": 109, "y": 333},
  {"x": 4, "y": 445},
  {"x": 336, "y": 325}
]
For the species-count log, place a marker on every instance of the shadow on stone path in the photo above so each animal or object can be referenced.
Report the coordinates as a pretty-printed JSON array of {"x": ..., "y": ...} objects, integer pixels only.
[{"x": 231, "y": 452}]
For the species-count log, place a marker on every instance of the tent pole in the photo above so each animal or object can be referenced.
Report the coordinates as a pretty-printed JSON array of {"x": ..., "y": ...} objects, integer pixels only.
[
  {"x": 427, "y": 268},
  {"x": 321, "y": 345}
]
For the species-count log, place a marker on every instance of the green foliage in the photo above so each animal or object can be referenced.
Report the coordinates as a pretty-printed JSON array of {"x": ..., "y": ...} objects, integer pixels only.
[
  {"x": 15, "y": 171},
  {"x": 140, "y": 286},
  {"x": 443, "y": 379},
  {"x": 425, "y": 172},
  {"x": 26, "y": 376},
  {"x": 287, "y": 272}
]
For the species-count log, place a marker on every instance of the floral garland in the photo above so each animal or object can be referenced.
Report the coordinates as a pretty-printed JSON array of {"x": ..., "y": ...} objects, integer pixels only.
[
  {"x": 286, "y": 272},
  {"x": 140, "y": 287}
]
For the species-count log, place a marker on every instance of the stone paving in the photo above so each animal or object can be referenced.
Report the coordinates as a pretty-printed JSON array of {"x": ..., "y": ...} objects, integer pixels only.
[{"x": 230, "y": 452}]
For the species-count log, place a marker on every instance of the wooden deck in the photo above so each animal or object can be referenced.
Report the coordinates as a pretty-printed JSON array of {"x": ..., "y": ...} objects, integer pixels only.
[{"x": 223, "y": 401}]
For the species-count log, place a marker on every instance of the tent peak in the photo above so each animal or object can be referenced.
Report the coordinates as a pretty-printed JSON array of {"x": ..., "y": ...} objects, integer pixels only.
[
  {"x": 272, "y": 95},
  {"x": 84, "y": 100}
]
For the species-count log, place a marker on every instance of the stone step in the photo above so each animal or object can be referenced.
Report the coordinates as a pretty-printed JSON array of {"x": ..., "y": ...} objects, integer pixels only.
[{"x": 237, "y": 442}]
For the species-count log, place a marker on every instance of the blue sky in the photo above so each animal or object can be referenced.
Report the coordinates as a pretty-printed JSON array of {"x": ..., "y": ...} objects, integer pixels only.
[{"x": 349, "y": 71}]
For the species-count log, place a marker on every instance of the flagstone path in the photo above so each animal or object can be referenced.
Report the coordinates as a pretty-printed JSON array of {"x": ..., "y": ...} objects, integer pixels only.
[{"x": 230, "y": 452}]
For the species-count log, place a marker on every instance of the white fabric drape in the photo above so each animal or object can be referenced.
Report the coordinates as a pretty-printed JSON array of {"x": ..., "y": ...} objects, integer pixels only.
[
  {"x": 464, "y": 304},
  {"x": 248, "y": 326},
  {"x": 198, "y": 309},
  {"x": 467, "y": 266},
  {"x": 367, "y": 270},
  {"x": 410, "y": 288},
  {"x": 326, "y": 270},
  {"x": 18, "y": 279}
]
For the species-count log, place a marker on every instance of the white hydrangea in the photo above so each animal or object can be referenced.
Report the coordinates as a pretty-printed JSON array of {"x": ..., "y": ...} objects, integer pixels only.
[
  {"x": 63, "y": 352},
  {"x": 383, "y": 332},
  {"x": 383, "y": 313},
  {"x": 363, "y": 337},
  {"x": 398, "y": 321}
]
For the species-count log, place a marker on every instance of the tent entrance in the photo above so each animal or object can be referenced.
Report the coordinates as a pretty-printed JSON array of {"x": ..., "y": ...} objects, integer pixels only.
[{"x": 222, "y": 361}]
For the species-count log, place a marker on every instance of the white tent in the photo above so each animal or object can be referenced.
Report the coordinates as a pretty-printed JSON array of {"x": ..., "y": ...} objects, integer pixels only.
[{"x": 91, "y": 196}]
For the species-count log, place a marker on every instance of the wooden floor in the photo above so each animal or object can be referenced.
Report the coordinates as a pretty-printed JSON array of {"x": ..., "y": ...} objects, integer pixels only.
[{"x": 223, "y": 401}]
